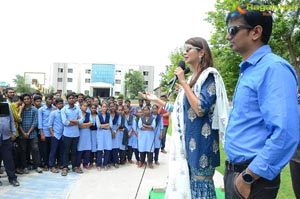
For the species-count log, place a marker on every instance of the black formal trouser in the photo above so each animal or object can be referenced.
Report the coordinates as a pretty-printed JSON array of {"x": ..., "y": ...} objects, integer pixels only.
[
  {"x": 6, "y": 151},
  {"x": 34, "y": 148},
  {"x": 260, "y": 189},
  {"x": 70, "y": 144},
  {"x": 295, "y": 174}
]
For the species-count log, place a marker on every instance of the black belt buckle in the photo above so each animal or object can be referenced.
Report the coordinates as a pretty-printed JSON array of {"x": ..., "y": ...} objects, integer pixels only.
[{"x": 236, "y": 167}]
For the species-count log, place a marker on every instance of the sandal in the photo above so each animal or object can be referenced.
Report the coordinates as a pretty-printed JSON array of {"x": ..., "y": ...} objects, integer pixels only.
[
  {"x": 64, "y": 172},
  {"x": 54, "y": 170}
]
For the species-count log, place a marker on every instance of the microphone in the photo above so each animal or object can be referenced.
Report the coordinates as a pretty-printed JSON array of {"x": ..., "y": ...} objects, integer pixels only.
[
  {"x": 181, "y": 65},
  {"x": 186, "y": 70}
]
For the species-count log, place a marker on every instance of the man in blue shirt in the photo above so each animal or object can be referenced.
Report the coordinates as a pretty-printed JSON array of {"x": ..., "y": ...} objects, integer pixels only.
[
  {"x": 43, "y": 125},
  {"x": 7, "y": 132},
  {"x": 262, "y": 131},
  {"x": 71, "y": 119}
]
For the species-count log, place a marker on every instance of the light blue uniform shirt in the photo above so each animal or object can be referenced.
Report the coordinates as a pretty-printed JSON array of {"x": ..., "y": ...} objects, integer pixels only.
[
  {"x": 7, "y": 126},
  {"x": 55, "y": 122},
  {"x": 68, "y": 113},
  {"x": 263, "y": 124},
  {"x": 43, "y": 119}
]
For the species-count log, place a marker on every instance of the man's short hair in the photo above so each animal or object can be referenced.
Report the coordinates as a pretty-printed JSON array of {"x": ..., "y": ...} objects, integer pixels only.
[{"x": 254, "y": 18}]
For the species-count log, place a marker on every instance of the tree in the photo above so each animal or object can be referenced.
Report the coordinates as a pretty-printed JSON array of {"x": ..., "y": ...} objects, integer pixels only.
[
  {"x": 175, "y": 57},
  {"x": 21, "y": 86},
  {"x": 134, "y": 83},
  {"x": 284, "y": 40}
]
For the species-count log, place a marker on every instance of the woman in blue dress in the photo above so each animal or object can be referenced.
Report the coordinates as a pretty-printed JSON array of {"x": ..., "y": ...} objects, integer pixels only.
[
  {"x": 84, "y": 144},
  {"x": 157, "y": 132},
  {"x": 146, "y": 127},
  {"x": 114, "y": 123},
  {"x": 104, "y": 139},
  {"x": 129, "y": 125},
  {"x": 95, "y": 125},
  {"x": 134, "y": 136},
  {"x": 199, "y": 113}
]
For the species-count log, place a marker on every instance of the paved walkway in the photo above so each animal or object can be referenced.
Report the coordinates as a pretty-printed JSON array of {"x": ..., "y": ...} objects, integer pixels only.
[{"x": 121, "y": 183}]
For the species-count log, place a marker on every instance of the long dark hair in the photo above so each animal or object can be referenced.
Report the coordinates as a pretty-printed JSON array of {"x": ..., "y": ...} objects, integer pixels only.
[{"x": 207, "y": 60}]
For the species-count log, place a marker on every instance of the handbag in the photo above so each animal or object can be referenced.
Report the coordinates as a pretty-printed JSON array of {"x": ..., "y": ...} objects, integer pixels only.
[{"x": 125, "y": 137}]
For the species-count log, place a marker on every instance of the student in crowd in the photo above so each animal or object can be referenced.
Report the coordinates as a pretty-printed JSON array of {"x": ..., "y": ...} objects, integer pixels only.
[
  {"x": 84, "y": 146},
  {"x": 45, "y": 135},
  {"x": 28, "y": 135},
  {"x": 88, "y": 100},
  {"x": 157, "y": 132},
  {"x": 80, "y": 99},
  {"x": 120, "y": 135},
  {"x": 128, "y": 104},
  {"x": 146, "y": 127},
  {"x": 95, "y": 125},
  {"x": 104, "y": 138},
  {"x": 114, "y": 123},
  {"x": 120, "y": 101},
  {"x": 8, "y": 132},
  {"x": 165, "y": 114},
  {"x": 129, "y": 126},
  {"x": 134, "y": 135},
  {"x": 9, "y": 94},
  {"x": 17, "y": 107},
  {"x": 56, "y": 130},
  {"x": 140, "y": 106},
  {"x": 71, "y": 118},
  {"x": 37, "y": 101}
]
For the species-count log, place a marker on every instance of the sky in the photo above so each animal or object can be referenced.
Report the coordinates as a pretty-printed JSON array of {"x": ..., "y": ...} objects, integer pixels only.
[{"x": 35, "y": 34}]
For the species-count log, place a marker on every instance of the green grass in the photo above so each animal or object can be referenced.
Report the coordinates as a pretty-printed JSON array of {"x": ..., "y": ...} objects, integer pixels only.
[{"x": 285, "y": 191}]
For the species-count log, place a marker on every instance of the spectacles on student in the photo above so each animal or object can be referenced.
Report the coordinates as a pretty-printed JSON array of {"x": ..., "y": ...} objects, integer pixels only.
[
  {"x": 232, "y": 30},
  {"x": 188, "y": 48}
]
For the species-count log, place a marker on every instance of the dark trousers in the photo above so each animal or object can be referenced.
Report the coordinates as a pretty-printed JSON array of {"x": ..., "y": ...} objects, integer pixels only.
[
  {"x": 105, "y": 158},
  {"x": 164, "y": 135},
  {"x": 6, "y": 153},
  {"x": 70, "y": 145},
  {"x": 295, "y": 175},
  {"x": 156, "y": 153},
  {"x": 33, "y": 147},
  {"x": 122, "y": 155},
  {"x": 16, "y": 154},
  {"x": 57, "y": 150},
  {"x": 136, "y": 154},
  {"x": 129, "y": 153},
  {"x": 115, "y": 157},
  {"x": 85, "y": 156},
  {"x": 260, "y": 189},
  {"x": 45, "y": 150},
  {"x": 149, "y": 157}
]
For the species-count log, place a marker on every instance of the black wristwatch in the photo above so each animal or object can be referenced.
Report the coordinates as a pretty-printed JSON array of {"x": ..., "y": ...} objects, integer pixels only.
[{"x": 247, "y": 177}]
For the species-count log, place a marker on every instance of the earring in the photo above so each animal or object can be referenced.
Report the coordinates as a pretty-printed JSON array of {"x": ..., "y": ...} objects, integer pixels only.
[{"x": 200, "y": 60}]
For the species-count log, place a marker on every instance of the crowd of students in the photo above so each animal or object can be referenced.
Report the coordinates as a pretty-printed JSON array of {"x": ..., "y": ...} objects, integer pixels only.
[{"x": 84, "y": 132}]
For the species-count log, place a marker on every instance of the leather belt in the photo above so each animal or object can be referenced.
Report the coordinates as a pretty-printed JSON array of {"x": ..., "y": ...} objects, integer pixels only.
[{"x": 236, "y": 167}]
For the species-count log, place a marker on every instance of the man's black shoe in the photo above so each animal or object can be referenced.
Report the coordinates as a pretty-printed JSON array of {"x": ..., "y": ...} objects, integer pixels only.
[{"x": 15, "y": 183}]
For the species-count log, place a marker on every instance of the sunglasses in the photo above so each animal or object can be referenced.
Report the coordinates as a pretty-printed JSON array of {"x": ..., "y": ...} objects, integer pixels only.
[
  {"x": 188, "y": 48},
  {"x": 232, "y": 30}
]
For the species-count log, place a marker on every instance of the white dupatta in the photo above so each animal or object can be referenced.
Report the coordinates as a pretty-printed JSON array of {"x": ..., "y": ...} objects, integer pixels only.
[{"x": 178, "y": 186}]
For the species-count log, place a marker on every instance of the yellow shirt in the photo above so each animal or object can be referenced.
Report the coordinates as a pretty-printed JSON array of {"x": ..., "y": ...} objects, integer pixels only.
[{"x": 17, "y": 117}]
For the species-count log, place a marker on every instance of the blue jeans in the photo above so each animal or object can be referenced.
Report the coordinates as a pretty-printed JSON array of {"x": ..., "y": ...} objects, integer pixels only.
[
  {"x": 57, "y": 147},
  {"x": 164, "y": 135},
  {"x": 70, "y": 145}
]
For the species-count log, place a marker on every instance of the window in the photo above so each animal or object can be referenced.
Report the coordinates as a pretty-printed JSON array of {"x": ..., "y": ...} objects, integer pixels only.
[
  {"x": 86, "y": 92},
  {"x": 70, "y": 70},
  {"x": 118, "y": 72},
  {"x": 70, "y": 80},
  {"x": 69, "y": 91},
  {"x": 145, "y": 73},
  {"x": 117, "y": 93},
  {"x": 87, "y": 71},
  {"x": 146, "y": 83},
  {"x": 60, "y": 70},
  {"x": 117, "y": 81},
  {"x": 59, "y": 79},
  {"x": 87, "y": 80},
  {"x": 60, "y": 91}
]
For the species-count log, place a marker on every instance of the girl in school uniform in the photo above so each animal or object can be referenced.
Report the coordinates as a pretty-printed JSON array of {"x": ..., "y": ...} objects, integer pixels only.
[
  {"x": 146, "y": 127},
  {"x": 129, "y": 126},
  {"x": 134, "y": 136},
  {"x": 120, "y": 135},
  {"x": 95, "y": 125},
  {"x": 157, "y": 132},
  {"x": 84, "y": 145},
  {"x": 114, "y": 122},
  {"x": 104, "y": 138}
]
